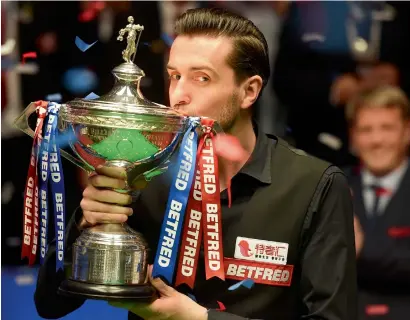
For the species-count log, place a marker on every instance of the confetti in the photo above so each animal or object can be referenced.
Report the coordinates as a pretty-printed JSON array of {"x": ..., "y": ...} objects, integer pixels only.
[
  {"x": 167, "y": 39},
  {"x": 87, "y": 15},
  {"x": 55, "y": 97},
  {"x": 221, "y": 306},
  {"x": 92, "y": 96},
  {"x": 247, "y": 283},
  {"x": 92, "y": 9},
  {"x": 64, "y": 139},
  {"x": 7, "y": 63},
  {"x": 330, "y": 141},
  {"x": 8, "y": 47},
  {"x": 80, "y": 80},
  {"x": 29, "y": 55},
  {"x": 82, "y": 45},
  {"x": 191, "y": 296}
]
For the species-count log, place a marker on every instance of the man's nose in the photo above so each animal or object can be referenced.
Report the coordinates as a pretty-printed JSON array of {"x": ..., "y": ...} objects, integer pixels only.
[
  {"x": 376, "y": 137},
  {"x": 180, "y": 95}
]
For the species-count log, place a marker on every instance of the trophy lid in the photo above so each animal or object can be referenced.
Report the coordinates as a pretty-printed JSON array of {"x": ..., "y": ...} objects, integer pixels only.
[{"x": 125, "y": 97}]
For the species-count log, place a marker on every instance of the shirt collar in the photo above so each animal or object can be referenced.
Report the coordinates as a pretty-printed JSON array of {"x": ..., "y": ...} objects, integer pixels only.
[
  {"x": 390, "y": 181},
  {"x": 259, "y": 164}
]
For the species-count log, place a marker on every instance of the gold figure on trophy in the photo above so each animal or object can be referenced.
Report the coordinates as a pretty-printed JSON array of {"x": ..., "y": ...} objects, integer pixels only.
[{"x": 129, "y": 53}]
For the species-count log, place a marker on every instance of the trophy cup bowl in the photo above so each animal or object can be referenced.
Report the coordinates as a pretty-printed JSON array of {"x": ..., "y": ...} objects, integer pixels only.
[{"x": 120, "y": 129}]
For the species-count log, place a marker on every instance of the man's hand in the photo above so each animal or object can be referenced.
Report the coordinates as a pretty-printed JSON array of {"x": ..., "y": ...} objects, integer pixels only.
[
  {"x": 171, "y": 305},
  {"x": 100, "y": 203}
]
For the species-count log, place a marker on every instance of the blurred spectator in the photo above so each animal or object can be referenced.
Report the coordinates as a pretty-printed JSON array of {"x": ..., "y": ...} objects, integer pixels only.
[
  {"x": 380, "y": 134},
  {"x": 325, "y": 49}
]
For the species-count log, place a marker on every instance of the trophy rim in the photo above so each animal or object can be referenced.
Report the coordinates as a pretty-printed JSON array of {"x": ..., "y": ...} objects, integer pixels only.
[{"x": 150, "y": 108}]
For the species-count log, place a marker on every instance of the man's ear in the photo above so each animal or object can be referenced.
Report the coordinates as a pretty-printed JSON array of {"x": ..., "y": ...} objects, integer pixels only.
[{"x": 250, "y": 91}]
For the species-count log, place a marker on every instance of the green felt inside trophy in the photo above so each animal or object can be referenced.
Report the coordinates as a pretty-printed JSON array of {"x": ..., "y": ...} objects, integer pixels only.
[{"x": 127, "y": 144}]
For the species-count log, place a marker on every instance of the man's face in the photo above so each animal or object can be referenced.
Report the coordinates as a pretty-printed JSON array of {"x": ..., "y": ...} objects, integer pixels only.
[
  {"x": 201, "y": 81},
  {"x": 380, "y": 136}
]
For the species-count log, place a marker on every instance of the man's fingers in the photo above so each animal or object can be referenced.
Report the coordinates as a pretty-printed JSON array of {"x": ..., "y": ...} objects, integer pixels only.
[
  {"x": 101, "y": 181},
  {"x": 91, "y": 205},
  {"x": 94, "y": 217},
  {"x": 113, "y": 172},
  {"x": 107, "y": 196}
]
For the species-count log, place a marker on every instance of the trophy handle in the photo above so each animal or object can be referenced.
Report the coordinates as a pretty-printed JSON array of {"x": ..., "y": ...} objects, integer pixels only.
[{"x": 22, "y": 124}]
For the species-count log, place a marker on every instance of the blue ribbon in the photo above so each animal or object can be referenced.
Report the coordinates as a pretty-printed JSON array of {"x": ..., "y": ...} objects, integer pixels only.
[
  {"x": 167, "y": 251},
  {"x": 57, "y": 188},
  {"x": 43, "y": 179}
]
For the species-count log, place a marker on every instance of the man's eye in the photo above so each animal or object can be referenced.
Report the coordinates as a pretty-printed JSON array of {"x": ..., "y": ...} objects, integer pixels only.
[
  {"x": 175, "y": 76},
  {"x": 202, "y": 79}
]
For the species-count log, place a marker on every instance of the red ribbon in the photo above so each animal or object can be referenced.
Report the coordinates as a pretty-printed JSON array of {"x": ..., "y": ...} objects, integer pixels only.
[
  {"x": 203, "y": 213},
  {"x": 211, "y": 205},
  {"x": 30, "y": 207}
]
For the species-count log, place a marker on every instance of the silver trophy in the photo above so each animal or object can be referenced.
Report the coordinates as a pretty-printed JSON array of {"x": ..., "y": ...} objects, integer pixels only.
[{"x": 120, "y": 129}]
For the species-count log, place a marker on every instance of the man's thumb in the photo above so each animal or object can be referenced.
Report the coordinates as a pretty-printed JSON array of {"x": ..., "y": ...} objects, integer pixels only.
[{"x": 160, "y": 285}]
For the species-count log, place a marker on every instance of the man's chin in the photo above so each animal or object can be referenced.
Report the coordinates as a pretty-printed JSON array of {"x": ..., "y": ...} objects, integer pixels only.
[{"x": 382, "y": 167}]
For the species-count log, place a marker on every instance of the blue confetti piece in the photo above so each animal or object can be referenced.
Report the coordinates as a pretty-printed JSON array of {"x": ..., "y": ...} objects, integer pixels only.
[
  {"x": 167, "y": 39},
  {"x": 7, "y": 63},
  {"x": 54, "y": 97},
  {"x": 80, "y": 80},
  {"x": 147, "y": 44},
  {"x": 247, "y": 283},
  {"x": 191, "y": 296},
  {"x": 92, "y": 96},
  {"x": 65, "y": 138},
  {"x": 82, "y": 45}
]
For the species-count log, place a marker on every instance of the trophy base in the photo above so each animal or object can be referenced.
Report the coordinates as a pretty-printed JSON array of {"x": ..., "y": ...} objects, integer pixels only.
[{"x": 137, "y": 293}]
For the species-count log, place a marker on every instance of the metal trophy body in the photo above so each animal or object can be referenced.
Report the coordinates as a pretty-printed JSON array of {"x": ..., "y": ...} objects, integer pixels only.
[{"x": 119, "y": 129}]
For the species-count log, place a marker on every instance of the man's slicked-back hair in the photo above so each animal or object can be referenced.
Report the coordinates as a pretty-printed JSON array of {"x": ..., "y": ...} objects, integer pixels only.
[{"x": 249, "y": 56}]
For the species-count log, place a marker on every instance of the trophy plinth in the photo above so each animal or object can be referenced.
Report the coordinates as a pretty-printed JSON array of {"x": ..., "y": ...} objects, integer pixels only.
[{"x": 109, "y": 263}]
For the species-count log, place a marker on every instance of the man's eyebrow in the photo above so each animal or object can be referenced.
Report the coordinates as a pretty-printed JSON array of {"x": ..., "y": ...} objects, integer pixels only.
[{"x": 170, "y": 67}]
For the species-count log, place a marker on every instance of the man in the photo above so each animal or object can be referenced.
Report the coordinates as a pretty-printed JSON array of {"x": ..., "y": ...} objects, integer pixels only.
[
  {"x": 318, "y": 65},
  {"x": 380, "y": 134},
  {"x": 218, "y": 66}
]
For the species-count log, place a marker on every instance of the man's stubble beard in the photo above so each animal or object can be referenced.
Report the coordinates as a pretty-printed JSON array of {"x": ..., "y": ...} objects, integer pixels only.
[{"x": 229, "y": 113}]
